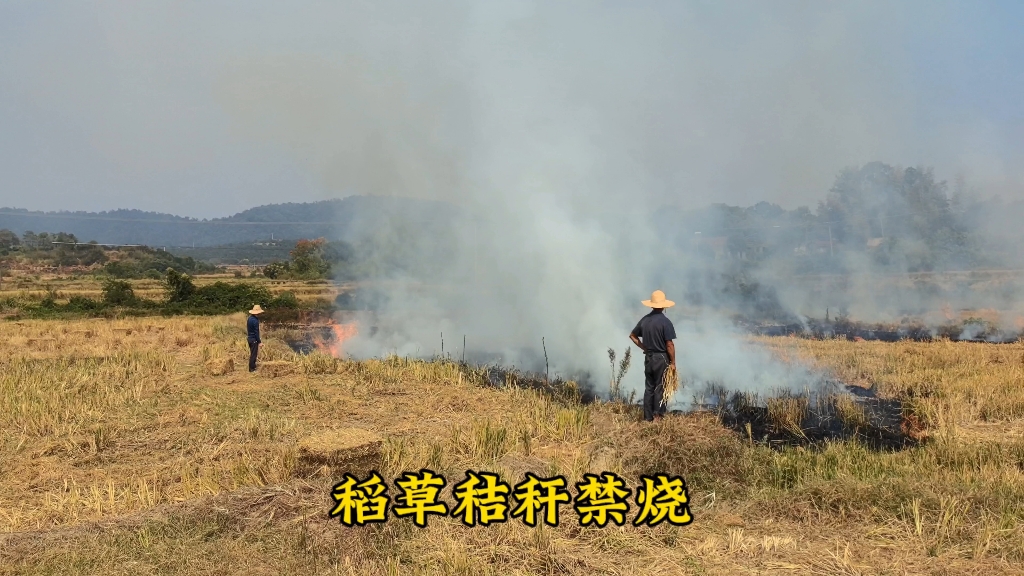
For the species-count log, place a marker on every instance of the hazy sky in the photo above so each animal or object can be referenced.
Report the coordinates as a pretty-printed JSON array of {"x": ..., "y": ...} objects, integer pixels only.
[{"x": 207, "y": 108}]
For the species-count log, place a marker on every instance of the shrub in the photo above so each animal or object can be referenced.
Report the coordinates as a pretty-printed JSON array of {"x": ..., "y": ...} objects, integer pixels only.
[
  {"x": 118, "y": 269},
  {"x": 361, "y": 300},
  {"x": 49, "y": 301},
  {"x": 220, "y": 298},
  {"x": 83, "y": 304},
  {"x": 345, "y": 301},
  {"x": 118, "y": 293},
  {"x": 285, "y": 300}
]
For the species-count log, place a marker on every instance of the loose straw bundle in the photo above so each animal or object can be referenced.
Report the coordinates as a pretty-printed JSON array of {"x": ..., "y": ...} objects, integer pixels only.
[{"x": 671, "y": 384}]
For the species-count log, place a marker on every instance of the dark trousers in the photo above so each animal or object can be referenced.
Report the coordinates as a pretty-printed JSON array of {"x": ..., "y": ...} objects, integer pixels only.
[
  {"x": 654, "y": 384},
  {"x": 254, "y": 347}
]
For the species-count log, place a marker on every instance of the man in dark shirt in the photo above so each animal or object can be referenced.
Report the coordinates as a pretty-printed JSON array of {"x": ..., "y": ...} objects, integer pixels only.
[
  {"x": 253, "y": 326},
  {"x": 654, "y": 335}
]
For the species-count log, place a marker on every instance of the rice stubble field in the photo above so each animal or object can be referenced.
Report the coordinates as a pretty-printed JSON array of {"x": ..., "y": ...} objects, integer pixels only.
[{"x": 143, "y": 446}]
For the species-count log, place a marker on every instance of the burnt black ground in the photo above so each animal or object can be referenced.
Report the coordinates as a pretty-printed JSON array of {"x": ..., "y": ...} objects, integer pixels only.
[
  {"x": 818, "y": 329},
  {"x": 885, "y": 428}
]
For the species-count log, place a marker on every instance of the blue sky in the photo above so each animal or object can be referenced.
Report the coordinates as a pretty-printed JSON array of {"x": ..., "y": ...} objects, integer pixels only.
[{"x": 208, "y": 108}]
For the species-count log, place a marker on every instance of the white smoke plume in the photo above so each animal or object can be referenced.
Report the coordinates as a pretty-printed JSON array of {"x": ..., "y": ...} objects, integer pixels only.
[{"x": 560, "y": 128}]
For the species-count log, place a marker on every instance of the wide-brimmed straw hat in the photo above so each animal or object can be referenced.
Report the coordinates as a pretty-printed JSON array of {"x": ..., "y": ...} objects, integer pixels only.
[
  {"x": 658, "y": 300},
  {"x": 257, "y": 310}
]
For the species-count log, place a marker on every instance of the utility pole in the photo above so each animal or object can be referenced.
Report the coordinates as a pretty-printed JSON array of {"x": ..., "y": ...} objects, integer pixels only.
[{"x": 830, "y": 252}]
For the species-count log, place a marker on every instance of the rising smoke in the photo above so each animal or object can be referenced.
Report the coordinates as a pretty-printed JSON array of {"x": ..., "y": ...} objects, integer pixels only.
[{"x": 561, "y": 130}]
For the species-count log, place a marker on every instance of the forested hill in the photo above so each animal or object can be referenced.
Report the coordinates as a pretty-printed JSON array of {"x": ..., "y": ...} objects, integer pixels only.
[
  {"x": 332, "y": 219},
  {"x": 886, "y": 217}
]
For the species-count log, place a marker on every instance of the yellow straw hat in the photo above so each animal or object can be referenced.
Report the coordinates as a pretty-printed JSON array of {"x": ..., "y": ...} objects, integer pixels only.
[
  {"x": 658, "y": 300},
  {"x": 257, "y": 310}
]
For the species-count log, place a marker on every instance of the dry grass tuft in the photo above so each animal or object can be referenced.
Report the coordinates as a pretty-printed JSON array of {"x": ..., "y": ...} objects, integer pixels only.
[
  {"x": 320, "y": 363},
  {"x": 220, "y": 366},
  {"x": 787, "y": 413},
  {"x": 850, "y": 412}
]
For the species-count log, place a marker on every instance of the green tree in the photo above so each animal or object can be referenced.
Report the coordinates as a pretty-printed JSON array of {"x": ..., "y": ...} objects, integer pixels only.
[
  {"x": 179, "y": 286},
  {"x": 878, "y": 200},
  {"x": 276, "y": 270},
  {"x": 309, "y": 260},
  {"x": 30, "y": 239},
  {"x": 8, "y": 240}
]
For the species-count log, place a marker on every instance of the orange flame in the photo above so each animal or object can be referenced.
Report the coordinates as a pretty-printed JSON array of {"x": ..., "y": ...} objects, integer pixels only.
[{"x": 341, "y": 333}]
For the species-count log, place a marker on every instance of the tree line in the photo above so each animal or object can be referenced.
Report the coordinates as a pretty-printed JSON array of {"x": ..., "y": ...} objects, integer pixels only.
[
  {"x": 876, "y": 215},
  {"x": 62, "y": 249},
  {"x": 891, "y": 218}
]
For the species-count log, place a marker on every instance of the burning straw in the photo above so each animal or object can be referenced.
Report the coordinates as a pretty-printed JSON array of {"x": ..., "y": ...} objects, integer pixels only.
[{"x": 332, "y": 343}]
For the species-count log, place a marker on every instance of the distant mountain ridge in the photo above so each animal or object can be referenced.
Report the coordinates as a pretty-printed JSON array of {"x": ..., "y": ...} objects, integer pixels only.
[{"x": 337, "y": 219}]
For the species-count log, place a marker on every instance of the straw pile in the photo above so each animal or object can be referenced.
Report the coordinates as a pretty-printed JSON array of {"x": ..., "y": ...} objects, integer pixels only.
[
  {"x": 353, "y": 450},
  {"x": 275, "y": 368}
]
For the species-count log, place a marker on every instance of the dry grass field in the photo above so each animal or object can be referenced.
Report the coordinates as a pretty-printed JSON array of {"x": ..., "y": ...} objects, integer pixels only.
[{"x": 143, "y": 446}]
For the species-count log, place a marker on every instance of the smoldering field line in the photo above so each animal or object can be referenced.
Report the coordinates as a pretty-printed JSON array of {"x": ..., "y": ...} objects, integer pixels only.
[
  {"x": 767, "y": 409},
  {"x": 709, "y": 354}
]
